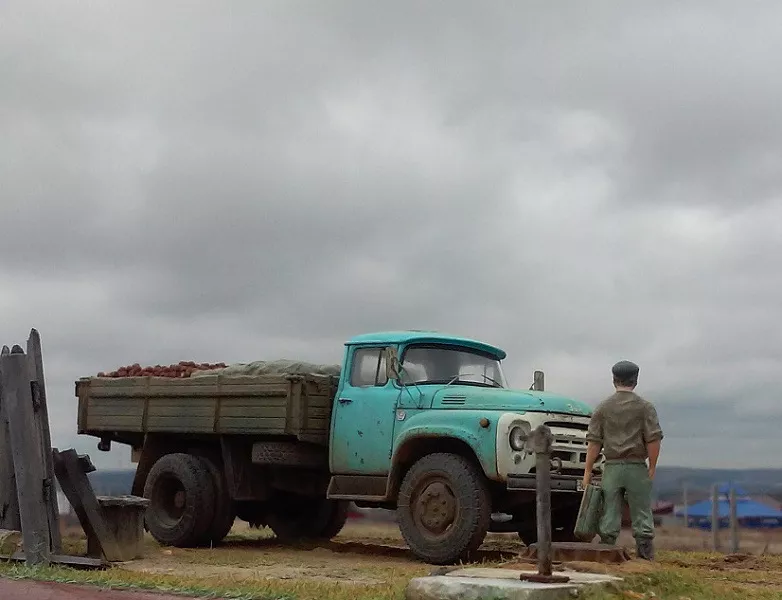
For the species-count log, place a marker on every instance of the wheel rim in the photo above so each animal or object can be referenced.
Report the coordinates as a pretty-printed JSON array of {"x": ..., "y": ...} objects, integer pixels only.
[
  {"x": 434, "y": 508},
  {"x": 170, "y": 500}
]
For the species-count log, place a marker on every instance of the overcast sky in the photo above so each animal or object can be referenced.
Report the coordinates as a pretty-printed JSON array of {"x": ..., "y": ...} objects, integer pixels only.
[{"x": 236, "y": 181}]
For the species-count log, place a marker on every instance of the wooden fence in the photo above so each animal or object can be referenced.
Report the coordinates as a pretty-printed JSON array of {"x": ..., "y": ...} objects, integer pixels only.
[{"x": 28, "y": 467}]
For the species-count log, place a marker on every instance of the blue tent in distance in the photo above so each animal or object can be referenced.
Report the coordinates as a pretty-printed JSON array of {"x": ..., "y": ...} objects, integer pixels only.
[{"x": 751, "y": 514}]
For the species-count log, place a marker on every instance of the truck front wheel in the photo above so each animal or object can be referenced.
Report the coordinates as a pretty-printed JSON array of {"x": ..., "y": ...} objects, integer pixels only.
[
  {"x": 444, "y": 508},
  {"x": 182, "y": 500}
]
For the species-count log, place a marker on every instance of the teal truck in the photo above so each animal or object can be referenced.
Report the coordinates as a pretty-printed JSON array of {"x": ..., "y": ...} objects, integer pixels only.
[{"x": 417, "y": 422}]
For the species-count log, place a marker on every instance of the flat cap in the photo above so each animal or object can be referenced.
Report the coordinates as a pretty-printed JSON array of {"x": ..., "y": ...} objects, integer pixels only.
[{"x": 625, "y": 369}]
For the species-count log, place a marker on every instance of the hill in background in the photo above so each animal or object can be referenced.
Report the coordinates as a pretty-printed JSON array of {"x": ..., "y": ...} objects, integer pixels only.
[{"x": 669, "y": 482}]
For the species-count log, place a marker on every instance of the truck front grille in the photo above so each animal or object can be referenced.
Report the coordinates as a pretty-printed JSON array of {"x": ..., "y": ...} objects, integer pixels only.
[
  {"x": 567, "y": 425},
  {"x": 570, "y": 443}
]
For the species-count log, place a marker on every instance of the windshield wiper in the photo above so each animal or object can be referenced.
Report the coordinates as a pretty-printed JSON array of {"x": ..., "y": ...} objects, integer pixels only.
[{"x": 457, "y": 378}]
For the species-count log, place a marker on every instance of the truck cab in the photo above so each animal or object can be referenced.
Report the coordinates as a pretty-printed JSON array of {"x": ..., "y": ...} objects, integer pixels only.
[{"x": 427, "y": 423}]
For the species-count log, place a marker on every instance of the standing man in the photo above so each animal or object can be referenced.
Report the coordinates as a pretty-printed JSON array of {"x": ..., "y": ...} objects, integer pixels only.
[{"x": 626, "y": 428}]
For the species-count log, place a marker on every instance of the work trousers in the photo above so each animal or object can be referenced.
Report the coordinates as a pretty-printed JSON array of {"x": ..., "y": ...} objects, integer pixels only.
[{"x": 630, "y": 480}]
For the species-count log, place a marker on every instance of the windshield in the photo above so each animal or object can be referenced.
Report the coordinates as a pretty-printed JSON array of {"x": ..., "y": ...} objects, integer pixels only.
[{"x": 439, "y": 364}]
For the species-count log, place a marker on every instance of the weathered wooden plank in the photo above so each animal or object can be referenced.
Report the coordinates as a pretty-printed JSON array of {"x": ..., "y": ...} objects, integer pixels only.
[
  {"x": 75, "y": 562},
  {"x": 202, "y": 385},
  {"x": 26, "y": 451},
  {"x": 114, "y": 411},
  {"x": 114, "y": 423},
  {"x": 196, "y": 409},
  {"x": 127, "y": 405},
  {"x": 242, "y": 402},
  {"x": 188, "y": 393},
  {"x": 76, "y": 487},
  {"x": 318, "y": 412},
  {"x": 130, "y": 396},
  {"x": 9, "y": 503},
  {"x": 208, "y": 379},
  {"x": 313, "y": 423},
  {"x": 35, "y": 362},
  {"x": 192, "y": 383},
  {"x": 240, "y": 425},
  {"x": 252, "y": 412},
  {"x": 184, "y": 424}
]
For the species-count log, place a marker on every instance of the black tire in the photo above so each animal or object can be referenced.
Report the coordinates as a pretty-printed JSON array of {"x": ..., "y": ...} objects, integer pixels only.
[
  {"x": 181, "y": 495},
  {"x": 253, "y": 512},
  {"x": 336, "y": 520},
  {"x": 294, "y": 519},
  {"x": 444, "y": 508},
  {"x": 225, "y": 507}
]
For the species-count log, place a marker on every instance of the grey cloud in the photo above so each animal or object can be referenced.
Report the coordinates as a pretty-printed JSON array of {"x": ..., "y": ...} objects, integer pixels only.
[{"x": 576, "y": 186}]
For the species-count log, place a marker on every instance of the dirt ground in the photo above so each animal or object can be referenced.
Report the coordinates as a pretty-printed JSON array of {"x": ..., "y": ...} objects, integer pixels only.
[
  {"x": 368, "y": 554},
  {"x": 369, "y": 559}
]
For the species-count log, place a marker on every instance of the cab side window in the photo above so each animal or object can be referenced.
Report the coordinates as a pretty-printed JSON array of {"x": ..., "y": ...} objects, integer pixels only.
[{"x": 369, "y": 368}]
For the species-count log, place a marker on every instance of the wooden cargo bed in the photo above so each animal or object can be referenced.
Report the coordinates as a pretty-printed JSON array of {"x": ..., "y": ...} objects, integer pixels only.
[{"x": 126, "y": 408}]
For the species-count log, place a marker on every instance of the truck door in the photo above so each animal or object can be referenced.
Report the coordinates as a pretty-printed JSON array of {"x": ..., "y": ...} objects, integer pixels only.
[{"x": 363, "y": 420}]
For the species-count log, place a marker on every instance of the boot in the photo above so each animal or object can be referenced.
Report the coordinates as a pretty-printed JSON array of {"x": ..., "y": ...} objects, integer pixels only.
[{"x": 644, "y": 548}]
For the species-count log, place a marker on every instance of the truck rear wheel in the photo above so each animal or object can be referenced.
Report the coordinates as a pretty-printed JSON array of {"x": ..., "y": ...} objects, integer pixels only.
[
  {"x": 444, "y": 508},
  {"x": 253, "y": 512},
  {"x": 300, "y": 518},
  {"x": 225, "y": 508},
  {"x": 182, "y": 500}
]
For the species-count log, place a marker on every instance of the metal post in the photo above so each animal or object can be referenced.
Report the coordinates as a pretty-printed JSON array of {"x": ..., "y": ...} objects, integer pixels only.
[
  {"x": 26, "y": 451},
  {"x": 734, "y": 521},
  {"x": 538, "y": 381},
  {"x": 540, "y": 443},
  {"x": 715, "y": 519}
]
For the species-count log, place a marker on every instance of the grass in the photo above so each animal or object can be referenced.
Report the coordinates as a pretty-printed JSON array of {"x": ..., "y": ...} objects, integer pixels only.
[
  {"x": 698, "y": 576},
  {"x": 209, "y": 587},
  {"x": 253, "y": 567},
  {"x": 215, "y": 586}
]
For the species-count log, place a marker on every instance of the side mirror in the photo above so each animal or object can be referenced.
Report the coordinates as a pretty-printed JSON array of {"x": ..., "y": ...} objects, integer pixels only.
[{"x": 392, "y": 363}]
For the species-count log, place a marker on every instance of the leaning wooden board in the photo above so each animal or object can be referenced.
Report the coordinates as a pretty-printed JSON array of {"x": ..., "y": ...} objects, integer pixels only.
[{"x": 295, "y": 405}]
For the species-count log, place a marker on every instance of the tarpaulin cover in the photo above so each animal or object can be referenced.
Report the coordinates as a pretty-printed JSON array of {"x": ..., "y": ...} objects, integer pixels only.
[{"x": 272, "y": 367}]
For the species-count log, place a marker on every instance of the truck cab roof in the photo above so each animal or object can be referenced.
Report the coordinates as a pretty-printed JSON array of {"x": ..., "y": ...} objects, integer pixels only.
[{"x": 424, "y": 337}]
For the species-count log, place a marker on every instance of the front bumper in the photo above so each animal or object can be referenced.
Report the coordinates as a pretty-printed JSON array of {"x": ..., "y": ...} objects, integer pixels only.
[{"x": 559, "y": 483}]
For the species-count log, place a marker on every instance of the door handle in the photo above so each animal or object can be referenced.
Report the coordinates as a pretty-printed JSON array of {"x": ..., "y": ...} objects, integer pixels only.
[{"x": 345, "y": 400}]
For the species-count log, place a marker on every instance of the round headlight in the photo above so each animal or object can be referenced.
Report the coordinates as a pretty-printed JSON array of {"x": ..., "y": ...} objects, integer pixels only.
[{"x": 518, "y": 436}]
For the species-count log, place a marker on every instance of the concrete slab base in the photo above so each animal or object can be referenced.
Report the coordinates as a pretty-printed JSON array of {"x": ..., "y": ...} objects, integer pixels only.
[{"x": 499, "y": 584}]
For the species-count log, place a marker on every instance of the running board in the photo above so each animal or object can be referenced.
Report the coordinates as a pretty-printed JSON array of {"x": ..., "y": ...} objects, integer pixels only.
[
  {"x": 371, "y": 488},
  {"x": 356, "y": 497}
]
